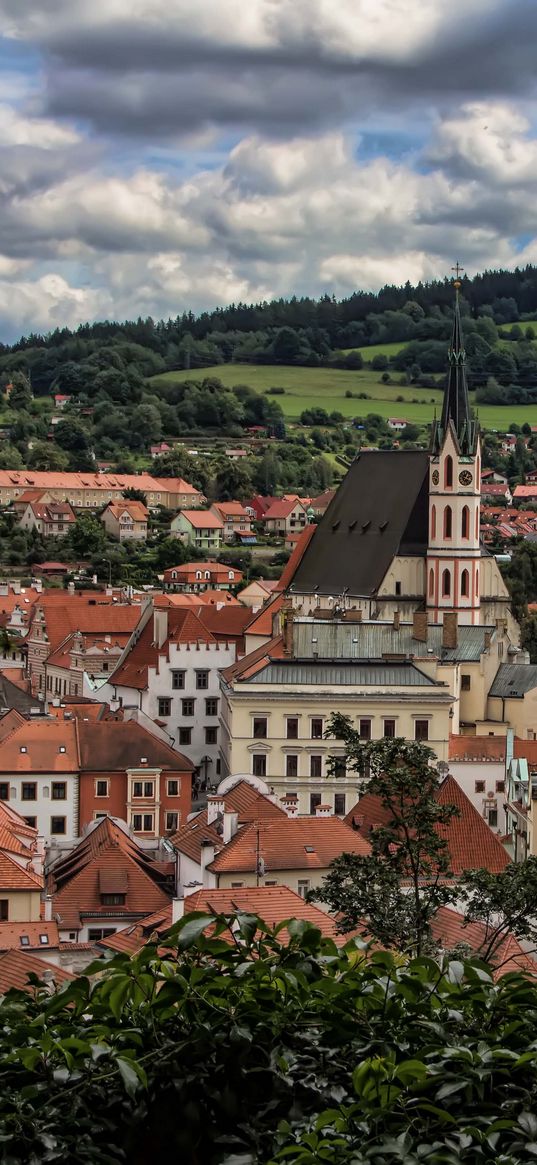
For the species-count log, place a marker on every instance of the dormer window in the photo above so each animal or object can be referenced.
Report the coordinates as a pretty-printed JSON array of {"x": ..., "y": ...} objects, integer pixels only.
[
  {"x": 23, "y": 748},
  {"x": 62, "y": 748}
]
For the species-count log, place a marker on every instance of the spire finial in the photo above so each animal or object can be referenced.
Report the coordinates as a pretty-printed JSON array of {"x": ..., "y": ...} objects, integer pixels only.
[{"x": 458, "y": 272}]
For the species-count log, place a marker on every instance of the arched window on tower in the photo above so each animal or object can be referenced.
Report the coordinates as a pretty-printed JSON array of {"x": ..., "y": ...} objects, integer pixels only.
[
  {"x": 448, "y": 522},
  {"x": 433, "y": 522},
  {"x": 431, "y": 581},
  {"x": 465, "y": 583},
  {"x": 477, "y": 523},
  {"x": 477, "y": 583},
  {"x": 446, "y": 583},
  {"x": 465, "y": 522},
  {"x": 448, "y": 472}
]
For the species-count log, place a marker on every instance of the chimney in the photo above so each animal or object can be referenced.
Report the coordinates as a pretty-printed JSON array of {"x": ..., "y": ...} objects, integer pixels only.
[
  {"x": 323, "y": 810},
  {"x": 396, "y": 620},
  {"x": 450, "y": 630},
  {"x": 419, "y": 626},
  {"x": 488, "y": 640},
  {"x": 48, "y": 907},
  {"x": 215, "y": 805},
  {"x": 207, "y": 856},
  {"x": 70, "y": 588},
  {"x": 287, "y": 626},
  {"x": 16, "y": 586},
  {"x": 38, "y": 586},
  {"x": 231, "y": 822},
  {"x": 290, "y": 804},
  {"x": 178, "y": 909},
  {"x": 160, "y": 625}
]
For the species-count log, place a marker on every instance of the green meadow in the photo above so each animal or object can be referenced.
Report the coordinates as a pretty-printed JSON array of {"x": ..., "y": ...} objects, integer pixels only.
[{"x": 326, "y": 387}]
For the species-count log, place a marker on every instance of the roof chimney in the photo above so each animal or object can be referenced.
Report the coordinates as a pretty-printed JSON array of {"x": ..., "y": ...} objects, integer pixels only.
[
  {"x": 178, "y": 909},
  {"x": 215, "y": 805},
  {"x": 450, "y": 630},
  {"x": 287, "y": 626},
  {"x": 207, "y": 856},
  {"x": 323, "y": 810},
  {"x": 231, "y": 822},
  {"x": 290, "y": 804},
  {"x": 419, "y": 626},
  {"x": 160, "y": 625}
]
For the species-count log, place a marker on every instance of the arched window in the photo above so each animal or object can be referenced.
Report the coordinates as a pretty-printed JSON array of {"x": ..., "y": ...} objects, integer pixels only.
[
  {"x": 465, "y": 522},
  {"x": 431, "y": 581},
  {"x": 433, "y": 522},
  {"x": 477, "y": 582},
  {"x": 477, "y": 523},
  {"x": 207, "y": 574},
  {"x": 448, "y": 473},
  {"x": 465, "y": 583},
  {"x": 446, "y": 582},
  {"x": 448, "y": 522},
  {"x": 198, "y": 574}
]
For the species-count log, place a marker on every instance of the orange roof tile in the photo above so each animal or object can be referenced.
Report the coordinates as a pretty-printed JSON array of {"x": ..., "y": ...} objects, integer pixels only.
[
  {"x": 255, "y": 661},
  {"x": 183, "y": 627},
  {"x": 12, "y": 935},
  {"x": 49, "y": 746},
  {"x": 296, "y": 557},
  {"x": 15, "y": 966},
  {"x": 526, "y": 749},
  {"x": 288, "y": 844},
  {"x": 203, "y": 519},
  {"x": 92, "y": 614},
  {"x": 449, "y": 929},
  {"x": 282, "y": 507},
  {"x": 261, "y": 622},
  {"x": 273, "y": 904},
  {"x": 15, "y": 877},
  {"x": 136, "y": 510},
  {"x": 477, "y": 748}
]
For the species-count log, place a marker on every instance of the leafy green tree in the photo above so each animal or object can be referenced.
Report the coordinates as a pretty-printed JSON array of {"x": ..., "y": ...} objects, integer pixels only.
[
  {"x": 135, "y": 495},
  {"x": 10, "y": 457},
  {"x": 46, "y": 455},
  {"x": 528, "y": 637},
  {"x": 21, "y": 395},
  {"x": 232, "y": 481},
  {"x": 393, "y": 893},
  {"x": 504, "y": 903},
  {"x": 87, "y": 537},
  {"x": 72, "y": 436}
]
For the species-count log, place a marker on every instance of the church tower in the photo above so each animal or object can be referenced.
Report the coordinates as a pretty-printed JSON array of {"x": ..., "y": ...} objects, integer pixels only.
[{"x": 453, "y": 553}]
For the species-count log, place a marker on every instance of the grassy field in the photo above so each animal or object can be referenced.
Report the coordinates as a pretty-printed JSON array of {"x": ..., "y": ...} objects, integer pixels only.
[
  {"x": 368, "y": 353},
  {"x": 326, "y": 387}
]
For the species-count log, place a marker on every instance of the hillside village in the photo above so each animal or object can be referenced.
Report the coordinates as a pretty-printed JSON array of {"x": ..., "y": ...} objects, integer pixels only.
[{"x": 170, "y": 748}]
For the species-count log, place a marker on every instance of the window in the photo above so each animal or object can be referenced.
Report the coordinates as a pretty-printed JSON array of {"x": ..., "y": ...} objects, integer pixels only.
[
  {"x": 316, "y": 766},
  {"x": 465, "y": 522},
  {"x": 389, "y": 729},
  {"x": 211, "y": 706},
  {"x": 303, "y": 886},
  {"x": 138, "y": 788},
  {"x": 431, "y": 581},
  {"x": 315, "y": 800},
  {"x": 448, "y": 473},
  {"x": 173, "y": 788},
  {"x": 29, "y": 791},
  {"x": 171, "y": 821},
  {"x": 466, "y": 683},
  {"x": 260, "y": 727},
  {"x": 101, "y": 789},
  {"x": 340, "y": 767},
  {"x": 477, "y": 582},
  {"x": 149, "y": 788},
  {"x": 446, "y": 583},
  {"x": 4, "y": 791},
  {"x": 113, "y": 899},
  {"x": 493, "y": 818},
  {"x": 4, "y": 908},
  {"x": 479, "y": 787},
  {"x": 185, "y": 736},
  {"x": 291, "y": 766},
  {"x": 316, "y": 728},
  {"x": 259, "y": 764},
  {"x": 500, "y": 786},
  {"x": 187, "y": 707},
  {"x": 339, "y": 804},
  {"x": 164, "y": 706},
  {"x": 292, "y": 728},
  {"x": 398, "y": 588},
  {"x": 448, "y": 522},
  {"x": 178, "y": 680},
  {"x": 142, "y": 822},
  {"x": 433, "y": 522},
  {"x": 465, "y": 584},
  {"x": 236, "y": 885},
  {"x": 25, "y": 940},
  {"x": 211, "y": 735},
  {"x": 43, "y": 939},
  {"x": 57, "y": 825},
  {"x": 97, "y": 933},
  {"x": 32, "y": 821},
  {"x": 59, "y": 790},
  {"x": 202, "y": 679},
  {"x": 421, "y": 730},
  {"x": 365, "y": 729}
]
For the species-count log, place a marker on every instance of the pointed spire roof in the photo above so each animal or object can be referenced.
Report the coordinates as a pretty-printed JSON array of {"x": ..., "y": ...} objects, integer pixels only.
[{"x": 456, "y": 412}]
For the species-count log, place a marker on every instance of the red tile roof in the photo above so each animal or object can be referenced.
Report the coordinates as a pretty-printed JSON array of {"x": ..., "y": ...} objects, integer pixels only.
[
  {"x": 296, "y": 557},
  {"x": 243, "y": 799},
  {"x": 282, "y": 507},
  {"x": 273, "y": 904},
  {"x": 42, "y": 741},
  {"x": 255, "y": 661},
  {"x": 93, "y": 613},
  {"x": 107, "y": 849},
  {"x": 15, "y": 966},
  {"x": 471, "y": 843},
  {"x": 477, "y": 748},
  {"x": 11, "y": 934},
  {"x": 136, "y": 510},
  {"x": 523, "y": 491},
  {"x": 111, "y": 745},
  {"x": 301, "y": 843},
  {"x": 183, "y": 627},
  {"x": 262, "y": 622},
  {"x": 203, "y": 519},
  {"x": 449, "y": 929},
  {"x": 16, "y": 877}
]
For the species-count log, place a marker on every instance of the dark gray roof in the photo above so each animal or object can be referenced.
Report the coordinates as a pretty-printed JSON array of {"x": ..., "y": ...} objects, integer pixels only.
[
  {"x": 359, "y": 675},
  {"x": 13, "y": 697},
  {"x": 514, "y": 679},
  {"x": 335, "y": 640},
  {"x": 380, "y": 510}
]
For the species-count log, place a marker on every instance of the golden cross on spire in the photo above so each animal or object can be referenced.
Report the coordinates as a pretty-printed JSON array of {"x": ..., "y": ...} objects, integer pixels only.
[{"x": 457, "y": 269}]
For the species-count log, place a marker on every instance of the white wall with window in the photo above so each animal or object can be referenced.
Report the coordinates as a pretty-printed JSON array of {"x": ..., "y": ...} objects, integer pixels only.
[{"x": 49, "y": 801}]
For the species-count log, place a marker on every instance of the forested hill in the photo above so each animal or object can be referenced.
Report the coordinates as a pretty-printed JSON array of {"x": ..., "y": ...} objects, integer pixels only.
[{"x": 302, "y": 331}]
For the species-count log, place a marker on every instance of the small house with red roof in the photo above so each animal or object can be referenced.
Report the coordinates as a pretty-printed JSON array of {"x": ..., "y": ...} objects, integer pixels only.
[
  {"x": 236, "y": 521},
  {"x": 61, "y": 400},
  {"x": 202, "y": 576},
  {"x": 200, "y": 528},
  {"x": 286, "y": 516},
  {"x": 125, "y": 520}
]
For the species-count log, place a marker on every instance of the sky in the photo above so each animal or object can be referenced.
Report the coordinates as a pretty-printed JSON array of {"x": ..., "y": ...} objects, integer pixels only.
[{"x": 165, "y": 155}]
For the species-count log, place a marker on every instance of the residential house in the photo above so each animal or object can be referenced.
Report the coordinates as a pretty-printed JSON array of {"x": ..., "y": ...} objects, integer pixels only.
[
  {"x": 258, "y": 592},
  {"x": 286, "y": 516},
  {"x": 93, "y": 490},
  {"x": 158, "y": 450},
  {"x": 257, "y": 506},
  {"x": 57, "y": 614},
  {"x": 201, "y": 528},
  {"x": 478, "y": 764},
  {"x": 525, "y": 493},
  {"x": 201, "y": 576},
  {"x": 397, "y": 423},
  {"x": 124, "y": 520},
  {"x": 21, "y": 867},
  {"x": 78, "y": 656},
  {"x": 170, "y": 671},
  {"x": 106, "y": 883},
  {"x": 320, "y": 504},
  {"x": 496, "y": 489},
  {"x": 62, "y": 774},
  {"x": 61, "y": 400},
  {"x": 237, "y": 523},
  {"x": 51, "y": 519}
]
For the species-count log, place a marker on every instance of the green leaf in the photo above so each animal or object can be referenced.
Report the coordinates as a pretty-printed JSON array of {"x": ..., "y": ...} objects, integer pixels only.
[
  {"x": 192, "y": 930},
  {"x": 131, "y": 1074}
]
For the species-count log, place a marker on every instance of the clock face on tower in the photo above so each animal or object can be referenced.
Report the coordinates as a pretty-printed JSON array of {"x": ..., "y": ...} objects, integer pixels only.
[
  {"x": 435, "y": 477},
  {"x": 465, "y": 477}
]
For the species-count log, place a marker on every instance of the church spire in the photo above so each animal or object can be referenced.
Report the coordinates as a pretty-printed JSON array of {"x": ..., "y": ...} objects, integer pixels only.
[{"x": 456, "y": 405}]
